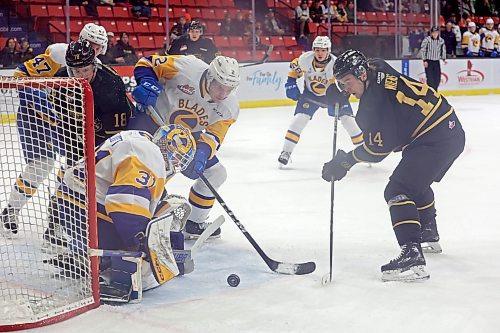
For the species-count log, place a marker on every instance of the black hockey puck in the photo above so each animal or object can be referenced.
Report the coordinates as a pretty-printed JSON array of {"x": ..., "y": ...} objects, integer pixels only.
[{"x": 233, "y": 280}]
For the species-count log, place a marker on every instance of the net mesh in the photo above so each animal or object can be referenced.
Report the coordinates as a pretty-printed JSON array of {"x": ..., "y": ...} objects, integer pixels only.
[{"x": 44, "y": 266}]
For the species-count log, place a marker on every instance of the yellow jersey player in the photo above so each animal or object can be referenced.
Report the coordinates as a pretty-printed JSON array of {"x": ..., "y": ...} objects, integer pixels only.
[
  {"x": 489, "y": 40},
  {"x": 132, "y": 168},
  {"x": 316, "y": 68},
  {"x": 398, "y": 113},
  {"x": 471, "y": 41},
  {"x": 48, "y": 63},
  {"x": 187, "y": 91}
]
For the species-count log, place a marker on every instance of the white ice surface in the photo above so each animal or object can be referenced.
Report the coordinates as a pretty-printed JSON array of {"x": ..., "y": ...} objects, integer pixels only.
[{"x": 288, "y": 213}]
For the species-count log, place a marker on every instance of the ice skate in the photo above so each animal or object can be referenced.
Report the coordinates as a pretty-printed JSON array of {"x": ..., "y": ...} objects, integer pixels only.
[
  {"x": 193, "y": 230},
  {"x": 55, "y": 240},
  {"x": 284, "y": 158},
  {"x": 409, "y": 266},
  {"x": 430, "y": 238},
  {"x": 10, "y": 222}
]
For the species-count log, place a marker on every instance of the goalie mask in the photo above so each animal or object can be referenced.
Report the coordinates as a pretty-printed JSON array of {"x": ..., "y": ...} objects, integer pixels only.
[
  {"x": 177, "y": 146},
  {"x": 223, "y": 77}
]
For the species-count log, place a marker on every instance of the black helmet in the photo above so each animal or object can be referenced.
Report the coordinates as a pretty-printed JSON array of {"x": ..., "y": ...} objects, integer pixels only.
[
  {"x": 80, "y": 54},
  {"x": 350, "y": 62},
  {"x": 195, "y": 25}
]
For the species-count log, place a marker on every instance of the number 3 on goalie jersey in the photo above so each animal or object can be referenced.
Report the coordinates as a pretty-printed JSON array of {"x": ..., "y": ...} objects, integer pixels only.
[{"x": 145, "y": 179}]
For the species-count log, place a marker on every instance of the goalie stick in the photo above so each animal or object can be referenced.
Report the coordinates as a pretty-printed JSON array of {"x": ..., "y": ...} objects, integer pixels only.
[
  {"x": 275, "y": 266},
  {"x": 180, "y": 255},
  {"x": 266, "y": 56}
]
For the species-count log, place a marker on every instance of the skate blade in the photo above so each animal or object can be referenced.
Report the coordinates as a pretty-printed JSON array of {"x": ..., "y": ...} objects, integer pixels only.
[
  {"x": 431, "y": 247},
  {"x": 414, "y": 274}
]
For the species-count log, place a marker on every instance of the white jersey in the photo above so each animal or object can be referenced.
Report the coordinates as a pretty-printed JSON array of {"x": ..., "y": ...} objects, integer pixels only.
[
  {"x": 131, "y": 174},
  {"x": 316, "y": 80},
  {"x": 489, "y": 39},
  {"x": 471, "y": 41},
  {"x": 185, "y": 100}
]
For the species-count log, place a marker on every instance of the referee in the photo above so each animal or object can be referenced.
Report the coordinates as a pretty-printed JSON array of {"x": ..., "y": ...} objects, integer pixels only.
[{"x": 433, "y": 50}]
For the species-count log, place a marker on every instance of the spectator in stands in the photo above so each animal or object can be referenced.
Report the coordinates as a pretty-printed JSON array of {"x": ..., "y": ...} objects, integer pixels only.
[
  {"x": 450, "y": 40},
  {"x": 194, "y": 43},
  {"x": 10, "y": 56},
  {"x": 225, "y": 26},
  {"x": 90, "y": 6},
  {"x": 483, "y": 8},
  {"x": 141, "y": 8},
  {"x": 415, "y": 39},
  {"x": 370, "y": 6},
  {"x": 466, "y": 7},
  {"x": 26, "y": 51},
  {"x": 109, "y": 58},
  {"x": 258, "y": 40},
  {"x": 107, "y": 2},
  {"x": 272, "y": 25},
  {"x": 316, "y": 11},
  {"x": 180, "y": 28},
  {"x": 350, "y": 11},
  {"x": 238, "y": 25},
  {"x": 249, "y": 20},
  {"x": 302, "y": 18},
  {"x": 123, "y": 52},
  {"x": 414, "y": 7}
]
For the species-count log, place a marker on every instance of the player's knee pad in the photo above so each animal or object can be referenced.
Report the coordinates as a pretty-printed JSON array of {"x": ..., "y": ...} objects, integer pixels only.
[
  {"x": 394, "y": 189},
  {"x": 216, "y": 174}
]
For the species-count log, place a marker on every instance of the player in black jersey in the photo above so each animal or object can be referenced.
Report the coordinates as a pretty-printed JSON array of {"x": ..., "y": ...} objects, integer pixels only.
[
  {"x": 112, "y": 108},
  {"x": 194, "y": 43},
  {"x": 398, "y": 113}
]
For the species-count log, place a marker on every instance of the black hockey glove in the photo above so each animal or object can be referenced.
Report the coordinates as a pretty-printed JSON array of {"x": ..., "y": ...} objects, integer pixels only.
[
  {"x": 334, "y": 95},
  {"x": 337, "y": 168}
]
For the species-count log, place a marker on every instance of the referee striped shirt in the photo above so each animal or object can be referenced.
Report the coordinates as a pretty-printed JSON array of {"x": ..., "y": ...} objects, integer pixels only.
[{"x": 433, "y": 49}]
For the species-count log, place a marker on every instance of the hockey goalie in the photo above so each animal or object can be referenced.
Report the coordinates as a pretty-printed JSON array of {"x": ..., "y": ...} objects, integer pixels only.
[{"x": 138, "y": 225}]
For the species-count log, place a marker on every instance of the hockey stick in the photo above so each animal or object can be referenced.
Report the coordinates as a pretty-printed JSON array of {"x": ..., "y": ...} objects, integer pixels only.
[
  {"x": 269, "y": 51},
  {"x": 275, "y": 266},
  {"x": 328, "y": 278}
]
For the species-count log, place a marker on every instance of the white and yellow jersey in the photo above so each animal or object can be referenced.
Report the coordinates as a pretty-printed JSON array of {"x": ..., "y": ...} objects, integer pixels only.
[
  {"x": 471, "y": 41},
  {"x": 46, "y": 64},
  {"x": 185, "y": 100},
  {"x": 316, "y": 80},
  {"x": 131, "y": 174},
  {"x": 489, "y": 39}
]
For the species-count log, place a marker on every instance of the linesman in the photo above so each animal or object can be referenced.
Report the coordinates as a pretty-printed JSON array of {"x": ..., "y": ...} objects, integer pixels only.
[{"x": 433, "y": 50}]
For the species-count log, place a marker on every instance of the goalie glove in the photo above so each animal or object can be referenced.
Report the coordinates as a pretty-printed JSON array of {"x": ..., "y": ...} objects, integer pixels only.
[{"x": 176, "y": 205}]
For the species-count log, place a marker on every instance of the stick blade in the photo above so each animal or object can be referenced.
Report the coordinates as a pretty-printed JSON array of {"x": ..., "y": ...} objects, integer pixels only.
[
  {"x": 294, "y": 269},
  {"x": 326, "y": 279}
]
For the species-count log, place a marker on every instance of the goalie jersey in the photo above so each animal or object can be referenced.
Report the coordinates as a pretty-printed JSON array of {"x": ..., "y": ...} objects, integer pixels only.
[
  {"x": 185, "y": 100},
  {"x": 130, "y": 178},
  {"x": 316, "y": 80}
]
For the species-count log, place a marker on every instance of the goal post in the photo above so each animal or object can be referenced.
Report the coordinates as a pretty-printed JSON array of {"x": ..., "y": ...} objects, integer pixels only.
[{"x": 46, "y": 128}]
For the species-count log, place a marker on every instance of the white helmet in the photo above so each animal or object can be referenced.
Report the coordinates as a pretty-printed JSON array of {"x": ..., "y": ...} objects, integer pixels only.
[
  {"x": 490, "y": 21},
  {"x": 322, "y": 42},
  {"x": 471, "y": 25},
  {"x": 95, "y": 34},
  {"x": 224, "y": 70}
]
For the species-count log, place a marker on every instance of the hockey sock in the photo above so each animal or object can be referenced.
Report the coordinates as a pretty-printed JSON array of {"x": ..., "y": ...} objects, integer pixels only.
[
  {"x": 405, "y": 219},
  {"x": 352, "y": 128},
  {"x": 426, "y": 207},
  {"x": 35, "y": 172},
  {"x": 292, "y": 136}
]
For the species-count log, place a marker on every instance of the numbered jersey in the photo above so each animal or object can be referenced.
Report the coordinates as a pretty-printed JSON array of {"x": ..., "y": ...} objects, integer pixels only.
[
  {"x": 46, "y": 64},
  {"x": 316, "y": 80},
  {"x": 185, "y": 100},
  {"x": 396, "y": 111},
  {"x": 130, "y": 177},
  {"x": 489, "y": 40},
  {"x": 471, "y": 41}
]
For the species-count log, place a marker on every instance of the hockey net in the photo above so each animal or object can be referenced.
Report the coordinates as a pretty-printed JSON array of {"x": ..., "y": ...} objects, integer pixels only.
[{"x": 46, "y": 125}]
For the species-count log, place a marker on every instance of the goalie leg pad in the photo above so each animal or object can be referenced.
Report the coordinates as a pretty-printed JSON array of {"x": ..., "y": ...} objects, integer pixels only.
[
  {"x": 159, "y": 249},
  {"x": 121, "y": 281}
]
